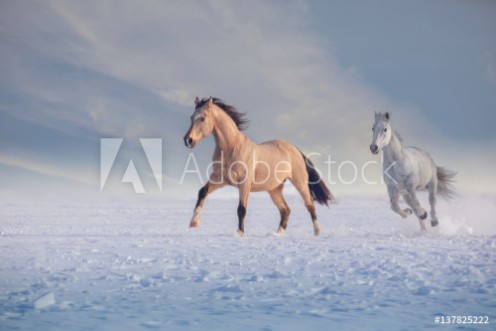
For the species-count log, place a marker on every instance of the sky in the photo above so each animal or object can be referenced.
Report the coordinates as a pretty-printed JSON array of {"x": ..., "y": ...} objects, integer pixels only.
[{"x": 310, "y": 72}]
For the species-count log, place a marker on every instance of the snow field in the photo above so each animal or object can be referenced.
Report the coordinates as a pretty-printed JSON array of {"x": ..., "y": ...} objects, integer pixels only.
[{"x": 111, "y": 266}]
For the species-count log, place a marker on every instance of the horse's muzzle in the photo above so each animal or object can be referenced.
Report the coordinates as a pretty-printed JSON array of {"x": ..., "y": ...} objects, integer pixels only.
[
  {"x": 188, "y": 141},
  {"x": 374, "y": 149}
]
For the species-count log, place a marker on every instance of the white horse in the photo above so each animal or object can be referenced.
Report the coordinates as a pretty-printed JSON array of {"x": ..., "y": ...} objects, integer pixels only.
[{"x": 407, "y": 170}]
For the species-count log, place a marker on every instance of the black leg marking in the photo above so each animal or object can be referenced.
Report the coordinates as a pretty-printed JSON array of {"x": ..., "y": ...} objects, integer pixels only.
[
  {"x": 202, "y": 193},
  {"x": 311, "y": 209},
  {"x": 284, "y": 217},
  {"x": 241, "y": 217}
]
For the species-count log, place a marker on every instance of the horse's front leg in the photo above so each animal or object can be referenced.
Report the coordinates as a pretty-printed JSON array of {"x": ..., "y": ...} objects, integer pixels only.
[
  {"x": 394, "y": 197},
  {"x": 411, "y": 199},
  {"x": 244, "y": 192},
  {"x": 211, "y": 186}
]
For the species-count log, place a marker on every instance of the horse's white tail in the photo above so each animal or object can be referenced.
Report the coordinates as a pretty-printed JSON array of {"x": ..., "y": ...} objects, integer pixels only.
[{"x": 445, "y": 183}]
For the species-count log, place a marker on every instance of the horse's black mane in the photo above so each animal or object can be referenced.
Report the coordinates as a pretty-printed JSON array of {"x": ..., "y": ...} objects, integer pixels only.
[{"x": 238, "y": 117}]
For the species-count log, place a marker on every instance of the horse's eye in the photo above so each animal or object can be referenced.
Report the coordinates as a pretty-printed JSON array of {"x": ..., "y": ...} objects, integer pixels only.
[
  {"x": 202, "y": 119},
  {"x": 385, "y": 130}
]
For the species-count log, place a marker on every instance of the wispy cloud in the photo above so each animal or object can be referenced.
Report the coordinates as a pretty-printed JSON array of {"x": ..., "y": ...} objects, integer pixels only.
[
  {"x": 48, "y": 169},
  {"x": 180, "y": 97},
  {"x": 269, "y": 62}
]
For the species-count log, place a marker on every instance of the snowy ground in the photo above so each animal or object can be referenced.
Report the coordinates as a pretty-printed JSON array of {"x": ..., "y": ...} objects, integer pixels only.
[{"x": 125, "y": 266}]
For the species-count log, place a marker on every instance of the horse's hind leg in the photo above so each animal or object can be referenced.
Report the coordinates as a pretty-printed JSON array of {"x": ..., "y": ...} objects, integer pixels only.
[
  {"x": 278, "y": 199},
  {"x": 302, "y": 187},
  {"x": 432, "y": 187}
]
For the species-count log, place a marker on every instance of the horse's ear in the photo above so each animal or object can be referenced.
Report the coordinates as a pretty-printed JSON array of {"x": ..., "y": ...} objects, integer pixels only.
[
  {"x": 210, "y": 101},
  {"x": 387, "y": 116},
  {"x": 197, "y": 101}
]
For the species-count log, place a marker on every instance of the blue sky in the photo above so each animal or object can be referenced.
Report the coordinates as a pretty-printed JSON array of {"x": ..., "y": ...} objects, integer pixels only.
[
  {"x": 436, "y": 55},
  {"x": 311, "y": 72}
]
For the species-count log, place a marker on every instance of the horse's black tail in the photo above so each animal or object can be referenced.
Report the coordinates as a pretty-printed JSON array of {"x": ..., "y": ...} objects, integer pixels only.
[
  {"x": 445, "y": 183},
  {"x": 318, "y": 188}
]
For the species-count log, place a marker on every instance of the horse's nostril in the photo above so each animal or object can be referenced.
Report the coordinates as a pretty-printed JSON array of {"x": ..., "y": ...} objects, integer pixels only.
[
  {"x": 373, "y": 148},
  {"x": 188, "y": 141}
]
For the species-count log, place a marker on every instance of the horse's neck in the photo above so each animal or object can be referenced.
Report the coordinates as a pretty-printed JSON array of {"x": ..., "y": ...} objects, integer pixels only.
[
  {"x": 227, "y": 135},
  {"x": 393, "y": 152}
]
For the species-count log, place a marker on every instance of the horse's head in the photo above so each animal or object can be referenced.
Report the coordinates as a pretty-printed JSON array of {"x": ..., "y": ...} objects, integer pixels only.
[
  {"x": 382, "y": 132},
  {"x": 201, "y": 122}
]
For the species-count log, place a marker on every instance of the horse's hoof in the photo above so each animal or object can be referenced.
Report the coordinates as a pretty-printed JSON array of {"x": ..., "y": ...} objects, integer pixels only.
[
  {"x": 194, "y": 224},
  {"x": 434, "y": 223},
  {"x": 316, "y": 228},
  {"x": 423, "y": 216},
  {"x": 406, "y": 212},
  {"x": 281, "y": 231},
  {"x": 240, "y": 233}
]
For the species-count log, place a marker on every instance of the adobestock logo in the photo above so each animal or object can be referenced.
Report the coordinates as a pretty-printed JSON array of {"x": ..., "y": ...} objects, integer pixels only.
[
  {"x": 345, "y": 172},
  {"x": 111, "y": 153},
  {"x": 109, "y": 150}
]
